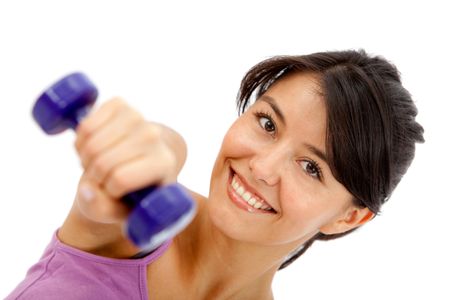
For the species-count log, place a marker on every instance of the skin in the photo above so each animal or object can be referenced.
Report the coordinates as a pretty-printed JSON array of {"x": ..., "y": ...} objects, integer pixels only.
[{"x": 227, "y": 252}]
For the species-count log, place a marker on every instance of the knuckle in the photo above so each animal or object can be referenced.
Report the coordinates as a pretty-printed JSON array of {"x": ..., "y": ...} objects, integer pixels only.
[
  {"x": 118, "y": 183},
  {"x": 130, "y": 119},
  {"x": 169, "y": 159},
  {"x": 100, "y": 167},
  {"x": 85, "y": 127},
  {"x": 89, "y": 150},
  {"x": 128, "y": 114},
  {"x": 151, "y": 132},
  {"x": 134, "y": 116},
  {"x": 111, "y": 107},
  {"x": 116, "y": 102}
]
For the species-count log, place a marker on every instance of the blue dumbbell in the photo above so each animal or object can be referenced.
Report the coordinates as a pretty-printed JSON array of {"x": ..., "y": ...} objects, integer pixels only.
[{"x": 158, "y": 213}]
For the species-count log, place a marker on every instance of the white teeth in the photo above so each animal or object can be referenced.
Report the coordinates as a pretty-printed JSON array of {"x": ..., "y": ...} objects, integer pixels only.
[
  {"x": 240, "y": 190},
  {"x": 257, "y": 205},
  {"x": 247, "y": 196},
  {"x": 234, "y": 184}
]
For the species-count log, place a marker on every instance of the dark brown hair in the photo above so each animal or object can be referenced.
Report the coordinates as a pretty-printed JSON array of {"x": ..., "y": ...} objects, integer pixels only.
[{"x": 371, "y": 127}]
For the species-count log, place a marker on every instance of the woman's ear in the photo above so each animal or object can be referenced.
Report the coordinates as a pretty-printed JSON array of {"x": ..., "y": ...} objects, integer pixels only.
[{"x": 352, "y": 218}]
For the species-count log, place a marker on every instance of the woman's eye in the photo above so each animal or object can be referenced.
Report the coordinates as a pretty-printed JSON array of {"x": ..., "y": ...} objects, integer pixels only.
[
  {"x": 311, "y": 168},
  {"x": 267, "y": 124}
]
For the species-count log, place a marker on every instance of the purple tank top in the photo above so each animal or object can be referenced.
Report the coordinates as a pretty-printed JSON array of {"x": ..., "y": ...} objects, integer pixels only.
[{"x": 64, "y": 272}]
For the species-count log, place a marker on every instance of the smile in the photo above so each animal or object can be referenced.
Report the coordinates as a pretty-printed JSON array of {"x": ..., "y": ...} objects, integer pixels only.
[{"x": 246, "y": 200}]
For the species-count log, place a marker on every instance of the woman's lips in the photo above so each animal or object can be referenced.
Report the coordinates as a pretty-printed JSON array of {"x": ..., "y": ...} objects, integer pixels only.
[{"x": 244, "y": 196}]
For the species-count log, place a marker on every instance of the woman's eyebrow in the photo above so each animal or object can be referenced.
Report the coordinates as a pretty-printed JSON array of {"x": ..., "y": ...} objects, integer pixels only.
[
  {"x": 317, "y": 152},
  {"x": 273, "y": 103}
]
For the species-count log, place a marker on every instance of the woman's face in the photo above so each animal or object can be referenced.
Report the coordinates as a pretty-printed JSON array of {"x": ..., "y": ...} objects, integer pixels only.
[{"x": 271, "y": 183}]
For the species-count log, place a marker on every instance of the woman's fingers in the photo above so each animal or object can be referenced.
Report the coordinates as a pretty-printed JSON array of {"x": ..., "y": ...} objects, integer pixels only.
[
  {"x": 127, "y": 148},
  {"x": 145, "y": 145},
  {"x": 141, "y": 172},
  {"x": 121, "y": 152},
  {"x": 97, "y": 205},
  {"x": 118, "y": 128},
  {"x": 98, "y": 119}
]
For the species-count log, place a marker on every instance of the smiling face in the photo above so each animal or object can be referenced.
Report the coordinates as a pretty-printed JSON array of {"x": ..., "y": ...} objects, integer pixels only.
[{"x": 271, "y": 183}]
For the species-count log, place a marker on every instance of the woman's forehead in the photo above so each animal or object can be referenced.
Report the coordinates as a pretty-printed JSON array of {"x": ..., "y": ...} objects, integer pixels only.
[
  {"x": 297, "y": 96},
  {"x": 305, "y": 84}
]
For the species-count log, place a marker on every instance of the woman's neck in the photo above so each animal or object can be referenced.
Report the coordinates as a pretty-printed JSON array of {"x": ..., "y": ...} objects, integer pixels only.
[{"x": 203, "y": 263}]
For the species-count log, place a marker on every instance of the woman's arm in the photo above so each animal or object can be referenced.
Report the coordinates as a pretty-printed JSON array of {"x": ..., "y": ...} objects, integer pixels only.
[{"x": 120, "y": 153}]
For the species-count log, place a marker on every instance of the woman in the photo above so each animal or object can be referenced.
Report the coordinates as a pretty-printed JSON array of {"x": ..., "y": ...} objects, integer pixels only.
[{"x": 322, "y": 147}]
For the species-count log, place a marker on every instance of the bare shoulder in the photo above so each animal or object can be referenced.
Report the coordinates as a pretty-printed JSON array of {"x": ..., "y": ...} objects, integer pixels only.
[{"x": 199, "y": 199}]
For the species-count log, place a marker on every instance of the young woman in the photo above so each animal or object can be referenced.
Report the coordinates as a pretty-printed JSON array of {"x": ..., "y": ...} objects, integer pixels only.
[{"x": 313, "y": 157}]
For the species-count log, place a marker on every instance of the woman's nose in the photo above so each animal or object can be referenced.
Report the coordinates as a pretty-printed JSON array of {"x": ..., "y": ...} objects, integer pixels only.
[{"x": 267, "y": 166}]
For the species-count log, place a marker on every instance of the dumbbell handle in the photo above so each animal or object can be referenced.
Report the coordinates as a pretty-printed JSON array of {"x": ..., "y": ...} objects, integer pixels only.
[{"x": 158, "y": 213}]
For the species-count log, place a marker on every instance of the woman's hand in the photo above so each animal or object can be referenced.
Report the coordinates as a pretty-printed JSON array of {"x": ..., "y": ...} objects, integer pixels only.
[{"x": 120, "y": 152}]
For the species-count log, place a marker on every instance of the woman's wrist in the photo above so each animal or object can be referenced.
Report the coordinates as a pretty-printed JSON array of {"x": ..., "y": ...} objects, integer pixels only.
[{"x": 97, "y": 238}]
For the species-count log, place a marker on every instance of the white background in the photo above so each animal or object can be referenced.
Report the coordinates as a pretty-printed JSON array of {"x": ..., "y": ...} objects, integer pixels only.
[{"x": 180, "y": 63}]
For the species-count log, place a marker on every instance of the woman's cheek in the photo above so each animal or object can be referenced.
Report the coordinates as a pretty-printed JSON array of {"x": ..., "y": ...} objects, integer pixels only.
[
  {"x": 304, "y": 207},
  {"x": 240, "y": 140}
]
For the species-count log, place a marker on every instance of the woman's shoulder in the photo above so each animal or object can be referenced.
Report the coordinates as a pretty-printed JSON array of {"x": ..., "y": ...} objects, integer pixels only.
[{"x": 198, "y": 198}]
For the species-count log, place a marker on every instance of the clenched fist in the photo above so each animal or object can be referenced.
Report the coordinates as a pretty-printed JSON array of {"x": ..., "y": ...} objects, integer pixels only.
[{"x": 122, "y": 152}]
